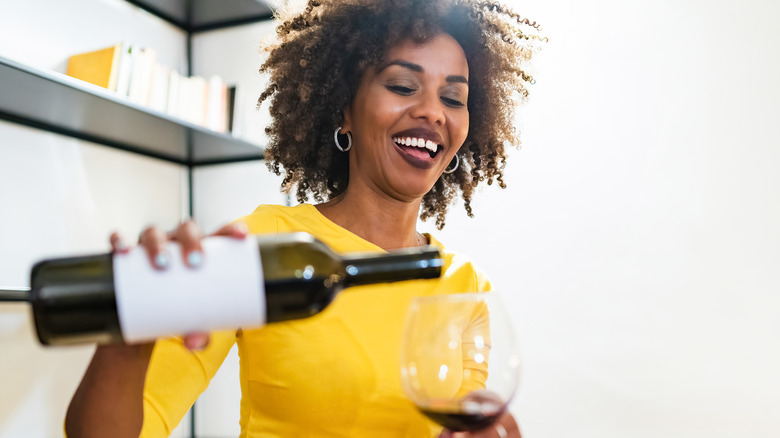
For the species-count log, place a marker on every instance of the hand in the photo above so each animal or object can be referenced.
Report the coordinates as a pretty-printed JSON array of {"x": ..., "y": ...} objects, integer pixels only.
[
  {"x": 505, "y": 427},
  {"x": 189, "y": 236}
]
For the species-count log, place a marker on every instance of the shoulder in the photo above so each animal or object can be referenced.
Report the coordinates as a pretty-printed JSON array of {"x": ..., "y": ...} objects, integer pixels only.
[
  {"x": 261, "y": 220},
  {"x": 461, "y": 271},
  {"x": 269, "y": 218}
]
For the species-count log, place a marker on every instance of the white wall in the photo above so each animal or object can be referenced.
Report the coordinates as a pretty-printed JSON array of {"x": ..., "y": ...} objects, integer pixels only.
[
  {"x": 639, "y": 243},
  {"x": 61, "y": 196},
  {"x": 64, "y": 196},
  {"x": 226, "y": 192},
  {"x": 222, "y": 194},
  {"x": 234, "y": 54},
  {"x": 44, "y": 33}
]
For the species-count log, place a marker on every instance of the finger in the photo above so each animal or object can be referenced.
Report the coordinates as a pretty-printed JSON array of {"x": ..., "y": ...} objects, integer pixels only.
[
  {"x": 118, "y": 245},
  {"x": 196, "y": 341},
  {"x": 510, "y": 426},
  {"x": 482, "y": 433},
  {"x": 446, "y": 433},
  {"x": 238, "y": 230},
  {"x": 188, "y": 235},
  {"x": 154, "y": 241},
  {"x": 505, "y": 427}
]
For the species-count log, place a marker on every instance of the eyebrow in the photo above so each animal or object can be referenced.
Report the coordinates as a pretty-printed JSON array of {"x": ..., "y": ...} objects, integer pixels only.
[{"x": 418, "y": 68}]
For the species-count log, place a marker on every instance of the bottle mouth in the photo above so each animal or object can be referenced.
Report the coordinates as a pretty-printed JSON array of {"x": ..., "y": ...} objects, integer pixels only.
[{"x": 14, "y": 294}]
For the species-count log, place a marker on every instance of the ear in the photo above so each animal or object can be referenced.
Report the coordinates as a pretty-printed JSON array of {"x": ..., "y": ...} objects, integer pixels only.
[{"x": 346, "y": 122}]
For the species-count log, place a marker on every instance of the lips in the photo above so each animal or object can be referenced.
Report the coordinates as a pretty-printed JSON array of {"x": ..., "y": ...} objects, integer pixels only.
[{"x": 418, "y": 146}]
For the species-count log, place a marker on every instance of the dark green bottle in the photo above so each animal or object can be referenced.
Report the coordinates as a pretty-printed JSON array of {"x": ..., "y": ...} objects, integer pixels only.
[{"x": 80, "y": 300}]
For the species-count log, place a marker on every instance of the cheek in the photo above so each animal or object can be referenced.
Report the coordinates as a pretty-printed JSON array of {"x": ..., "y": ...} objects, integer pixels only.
[
  {"x": 460, "y": 127},
  {"x": 380, "y": 115}
]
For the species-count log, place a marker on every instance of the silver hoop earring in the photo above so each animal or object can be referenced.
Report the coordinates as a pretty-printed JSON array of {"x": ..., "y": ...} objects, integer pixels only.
[
  {"x": 336, "y": 139},
  {"x": 457, "y": 163}
]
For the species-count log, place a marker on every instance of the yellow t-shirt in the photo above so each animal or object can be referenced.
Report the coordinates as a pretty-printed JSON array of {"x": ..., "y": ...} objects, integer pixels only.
[{"x": 336, "y": 374}]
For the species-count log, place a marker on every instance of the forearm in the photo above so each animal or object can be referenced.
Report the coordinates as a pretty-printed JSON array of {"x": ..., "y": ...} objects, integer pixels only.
[{"x": 109, "y": 400}]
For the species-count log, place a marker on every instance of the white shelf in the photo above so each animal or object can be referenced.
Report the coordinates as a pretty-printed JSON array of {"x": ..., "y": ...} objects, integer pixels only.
[{"x": 61, "y": 104}]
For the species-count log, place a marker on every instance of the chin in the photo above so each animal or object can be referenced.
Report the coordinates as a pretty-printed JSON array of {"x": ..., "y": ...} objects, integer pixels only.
[{"x": 413, "y": 189}]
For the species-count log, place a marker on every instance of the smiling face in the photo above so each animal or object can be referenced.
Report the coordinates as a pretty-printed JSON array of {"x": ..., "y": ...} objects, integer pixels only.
[{"x": 409, "y": 117}]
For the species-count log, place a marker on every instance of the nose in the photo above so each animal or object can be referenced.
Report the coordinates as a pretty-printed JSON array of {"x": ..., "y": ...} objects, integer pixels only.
[{"x": 428, "y": 106}]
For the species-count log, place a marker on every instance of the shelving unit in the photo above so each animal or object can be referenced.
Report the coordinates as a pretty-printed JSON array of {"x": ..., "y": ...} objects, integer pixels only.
[{"x": 58, "y": 103}]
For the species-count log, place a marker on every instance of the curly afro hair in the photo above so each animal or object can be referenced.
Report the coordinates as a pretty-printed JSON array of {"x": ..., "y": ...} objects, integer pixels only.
[{"x": 318, "y": 59}]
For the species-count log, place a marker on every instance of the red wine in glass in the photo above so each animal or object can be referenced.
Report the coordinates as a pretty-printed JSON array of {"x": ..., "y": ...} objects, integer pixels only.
[
  {"x": 460, "y": 362},
  {"x": 467, "y": 415}
]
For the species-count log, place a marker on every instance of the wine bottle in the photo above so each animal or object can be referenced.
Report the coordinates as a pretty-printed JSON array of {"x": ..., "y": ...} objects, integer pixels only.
[{"x": 113, "y": 298}]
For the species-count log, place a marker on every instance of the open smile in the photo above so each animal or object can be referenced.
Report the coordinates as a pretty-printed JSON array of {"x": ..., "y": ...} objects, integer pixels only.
[{"x": 419, "y": 147}]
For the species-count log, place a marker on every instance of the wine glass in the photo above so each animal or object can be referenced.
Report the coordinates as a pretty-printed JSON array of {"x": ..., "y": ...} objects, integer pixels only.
[{"x": 460, "y": 363}]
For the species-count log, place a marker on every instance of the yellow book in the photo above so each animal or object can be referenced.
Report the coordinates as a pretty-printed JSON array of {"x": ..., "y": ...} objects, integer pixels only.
[{"x": 100, "y": 67}]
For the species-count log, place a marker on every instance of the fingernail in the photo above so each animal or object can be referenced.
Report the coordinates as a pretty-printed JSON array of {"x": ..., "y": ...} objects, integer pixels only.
[
  {"x": 195, "y": 345},
  {"x": 121, "y": 247},
  {"x": 196, "y": 342},
  {"x": 161, "y": 260},
  {"x": 195, "y": 258}
]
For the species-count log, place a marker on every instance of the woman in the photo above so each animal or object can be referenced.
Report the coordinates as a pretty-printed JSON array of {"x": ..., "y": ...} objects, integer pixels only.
[{"x": 383, "y": 111}]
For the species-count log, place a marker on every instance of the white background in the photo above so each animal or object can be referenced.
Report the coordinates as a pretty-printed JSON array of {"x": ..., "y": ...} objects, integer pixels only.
[
  {"x": 639, "y": 241},
  {"x": 637, "y": 245}
]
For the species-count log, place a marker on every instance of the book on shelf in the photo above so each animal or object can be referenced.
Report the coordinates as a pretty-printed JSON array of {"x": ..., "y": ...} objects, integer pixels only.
[
  {"x": 193, "y": 97},
  {"x": 99, "y": 67},
  {"x": 230, "y": 104},
  {"x": 144, "y": 60},
  {"x": 135, "y": 73},
  {"x": 125, "y": 69},
  {"x": 216, "y": 105},
  {"x": 158, "y": 88},
  {"x": 237, "y": 114},
  {"x": 174, "y": 85}
]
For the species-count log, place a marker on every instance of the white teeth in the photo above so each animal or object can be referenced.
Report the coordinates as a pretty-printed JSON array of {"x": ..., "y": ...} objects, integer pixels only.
[{"x": 417, "y": 142}]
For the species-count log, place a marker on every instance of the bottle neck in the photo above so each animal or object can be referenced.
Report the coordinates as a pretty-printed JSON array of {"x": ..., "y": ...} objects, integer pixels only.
[{"x": 397, "y": 265}]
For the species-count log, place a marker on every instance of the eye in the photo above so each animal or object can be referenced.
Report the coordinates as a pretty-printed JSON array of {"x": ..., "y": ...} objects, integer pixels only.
[
  {"x": 454, "y": 103},
  {"x": 400, "y": 89}
]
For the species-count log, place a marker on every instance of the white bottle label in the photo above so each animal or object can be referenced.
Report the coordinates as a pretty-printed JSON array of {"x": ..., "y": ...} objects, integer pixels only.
[{"x": 226, "y": 291}]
